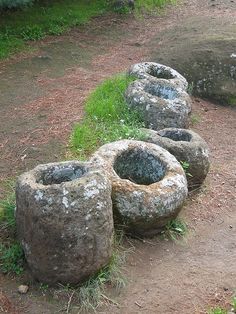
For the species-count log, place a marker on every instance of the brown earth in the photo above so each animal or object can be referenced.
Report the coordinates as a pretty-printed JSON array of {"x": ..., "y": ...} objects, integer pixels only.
[{"x": 42, "y": 96}]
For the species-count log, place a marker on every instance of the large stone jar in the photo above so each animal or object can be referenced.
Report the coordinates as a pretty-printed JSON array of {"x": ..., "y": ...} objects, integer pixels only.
[
  {"x": 64, "y": 221},
  {"x": 160, "y": 103},
  {"x": 148, "y": 184}
]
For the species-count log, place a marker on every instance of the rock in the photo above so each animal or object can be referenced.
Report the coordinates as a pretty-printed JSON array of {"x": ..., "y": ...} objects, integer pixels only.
[
  {"x": 148, "y": 185},
  {"x": 186, "y": 146},
  {"x": 150, "y": 70},
  {"x": 207, "y": 59},
  {"x": 64, "y": 221},
  {"x": 160, "y": 103},
  {"x": 23, "y": 289}
]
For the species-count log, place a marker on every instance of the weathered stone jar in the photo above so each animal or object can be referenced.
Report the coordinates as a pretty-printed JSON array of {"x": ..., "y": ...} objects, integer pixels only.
[
  {"x": 186, "y": 146},
  {"x": 160, "y": 103},
  {"x": 148, "y": 184},
  {"x": 150, "y": 70},
  {"x": 64, "y": 221}
]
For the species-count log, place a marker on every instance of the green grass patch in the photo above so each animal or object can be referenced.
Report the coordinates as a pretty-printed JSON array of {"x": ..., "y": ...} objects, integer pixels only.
[
  {"x": 151, "y": 6},
  {"x": 11, "y": 253},
  {"x": 11, "y": 258},
  {"x": 107, "y": 118},
  {"x": 42, "y": 19},
  {"x": 54, "y": 17},
  {"x": 232, "y": 100}
]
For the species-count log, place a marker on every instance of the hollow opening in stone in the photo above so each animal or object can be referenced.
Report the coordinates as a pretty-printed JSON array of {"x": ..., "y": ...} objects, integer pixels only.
[
  {"x": 139, "y": 166},
  {"x": 62, "y": 173},
  {"x": 176, "y": 135},
  {"x": 161, "y": 91},
  {"x": 160, "y": 73}
]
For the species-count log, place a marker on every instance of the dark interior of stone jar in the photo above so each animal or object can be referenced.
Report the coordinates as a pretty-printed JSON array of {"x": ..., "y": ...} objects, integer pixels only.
[
  {"x": 59, "y": 174},
  {"x": 176, "y": 135},
  {"x": 139, "y": 166},
  {"x": 161, "y": 90},
  {"x": 160, "y": 73}
]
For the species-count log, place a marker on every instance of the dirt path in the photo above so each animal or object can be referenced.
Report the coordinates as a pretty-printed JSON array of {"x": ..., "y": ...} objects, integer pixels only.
[{"x": 42, "y": 97}]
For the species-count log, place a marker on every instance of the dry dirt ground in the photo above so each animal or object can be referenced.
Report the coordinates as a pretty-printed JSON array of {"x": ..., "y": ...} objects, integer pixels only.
[{"x": 42, "y": 96}]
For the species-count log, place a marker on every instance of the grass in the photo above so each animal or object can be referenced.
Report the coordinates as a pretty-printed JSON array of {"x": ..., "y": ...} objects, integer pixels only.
[
  {"x": 151, "y": 6},
  {"x": 11, "y": 253},
  {"x": 107, "y": 118},
  {"x": 53, "y": 18},
  {"x": 217, "y": 310},
  {"x": 42, "y": 19},
  {"x": 232, "y": 100},
  {"x": 220, "y": 310},
  {"x": 11, "y": 258},
  {"x": 195, "y": 119}
]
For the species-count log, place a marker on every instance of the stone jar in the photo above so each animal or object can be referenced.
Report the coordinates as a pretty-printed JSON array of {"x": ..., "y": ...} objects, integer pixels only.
[
  {"x": 160, "y": 103},
  {"x": 188, "y": 147},
  {"x": 151, "y": 70},
  {"x": 64, "y": 221},
  {"x": 148, "y": 185}
]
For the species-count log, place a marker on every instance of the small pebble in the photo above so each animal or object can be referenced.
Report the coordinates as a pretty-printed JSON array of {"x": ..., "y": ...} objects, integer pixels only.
[{"x": 23, "y": 289}]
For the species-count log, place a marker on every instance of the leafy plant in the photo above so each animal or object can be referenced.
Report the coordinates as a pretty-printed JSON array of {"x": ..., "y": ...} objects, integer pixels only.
[
  {"x": 175, "y": 229},
  {"x": 185, "y": 165}
]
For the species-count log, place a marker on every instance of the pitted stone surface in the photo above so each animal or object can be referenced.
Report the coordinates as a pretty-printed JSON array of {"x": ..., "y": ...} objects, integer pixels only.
[
  {"x": 148, "y": 184},
  {"x": 64, "y": 221},
  {"x": 150, "y": 70},
  {"x": 186, "y": 146},
  {"x": 160, "y": 103}
]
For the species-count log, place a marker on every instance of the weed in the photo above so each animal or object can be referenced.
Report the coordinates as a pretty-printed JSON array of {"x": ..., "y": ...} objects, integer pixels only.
[
  {"x": 43, "y": 287},
  {"x": 107, "y": 118},
  {"x": 11, "y": 253},
  {"x": 195, "y": 118},
  {"x": 151, "y": 6},
  {"x": 232, "y": 100},
  {"x": 175, "y": 229},
  {"x": 34, "y": 32},
  {"x": 7, "y": 213},
  {"x": 234, "y": 304},
  {"x": 217, "y": 310},
  {"x": 190, "y": 88},
  {"x": 11, "y": 258},
  {"x": 185, "y": 165}
]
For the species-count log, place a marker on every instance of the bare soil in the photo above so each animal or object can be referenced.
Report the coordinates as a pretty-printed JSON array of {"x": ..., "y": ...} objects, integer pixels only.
[{"x": 42, "y": 97}]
